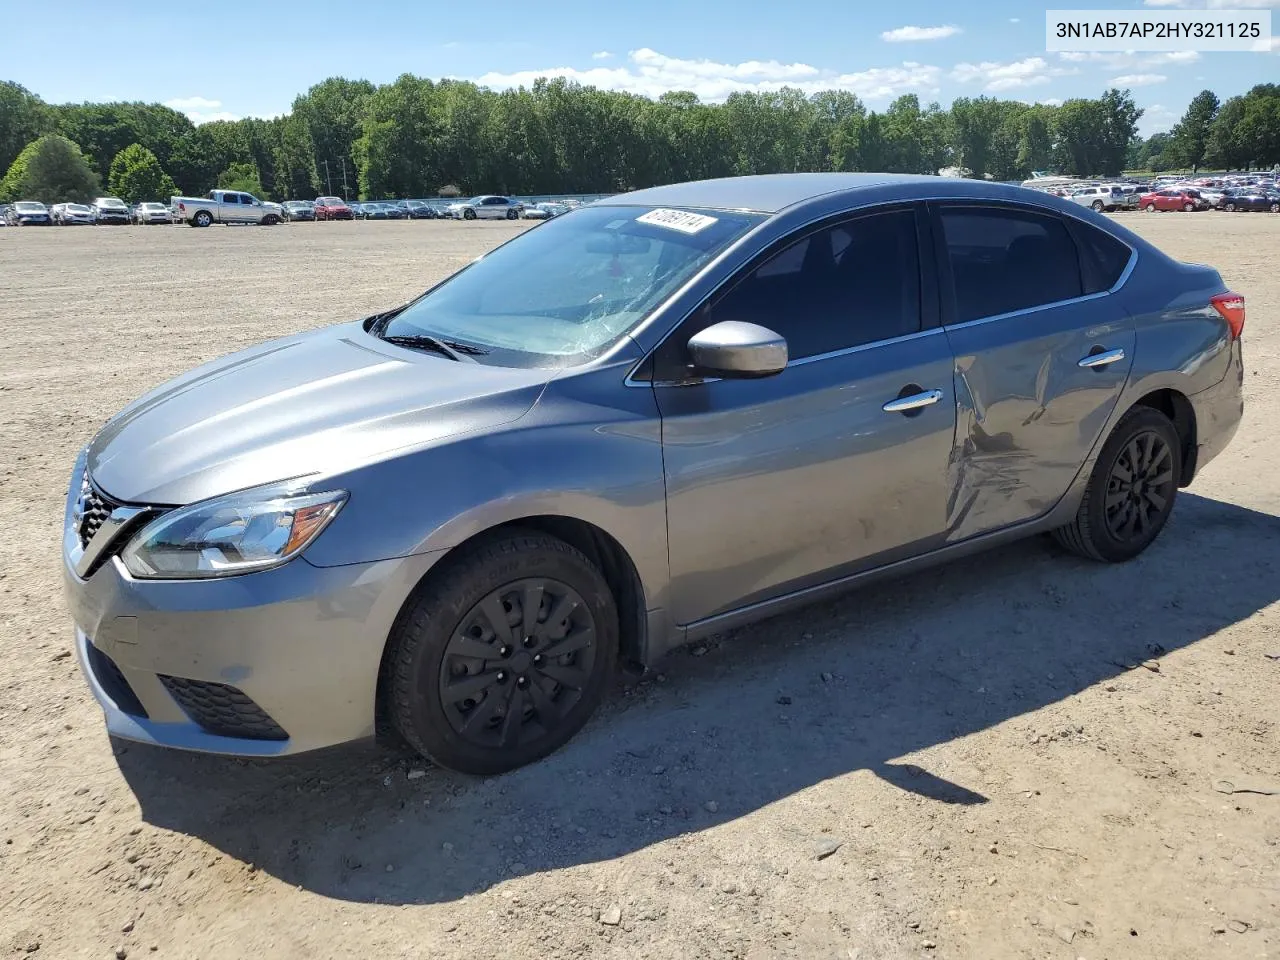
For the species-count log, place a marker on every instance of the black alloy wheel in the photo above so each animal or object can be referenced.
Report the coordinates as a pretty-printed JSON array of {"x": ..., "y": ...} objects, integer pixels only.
[
  {"x": 502, "y": 654},
  {"x": 1131, "y": 490},
  {"x": 518, "y": 663}
]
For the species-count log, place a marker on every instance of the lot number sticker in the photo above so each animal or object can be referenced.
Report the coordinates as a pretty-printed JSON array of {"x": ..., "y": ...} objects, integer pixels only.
[{"x": 680, "y": 220}]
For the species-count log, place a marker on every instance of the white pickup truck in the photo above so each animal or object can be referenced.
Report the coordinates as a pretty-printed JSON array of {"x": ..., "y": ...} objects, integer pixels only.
[{"x": 223, "y": 206}]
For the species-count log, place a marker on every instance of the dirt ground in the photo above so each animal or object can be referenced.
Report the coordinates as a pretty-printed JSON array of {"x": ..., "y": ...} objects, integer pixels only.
[{"x": 1012, "y": 757}]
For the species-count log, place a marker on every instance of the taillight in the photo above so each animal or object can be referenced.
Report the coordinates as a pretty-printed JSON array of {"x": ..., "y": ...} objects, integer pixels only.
[
  {"x": 1231, "y": 306},
  {"x": 182, "y": 206}
]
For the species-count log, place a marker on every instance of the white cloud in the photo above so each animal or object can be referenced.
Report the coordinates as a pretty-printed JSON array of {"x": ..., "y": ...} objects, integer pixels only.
[
  {"x": 1130, "y": 59},
  {"x": 907, "y": 34},
  {"x": 652, "y": 74},
  {"x": 1138, "y": 79},
  {"x": 1051, "y": 101},
  {"x": 200, "y": 109},
  {"x": 996, "y": 77},
  {"x": 601, "y": 55},
  {"x": 1214, "y": 4},
  {"x": 1015, "y": 19},
  {"x": 1156, "y": 119}
]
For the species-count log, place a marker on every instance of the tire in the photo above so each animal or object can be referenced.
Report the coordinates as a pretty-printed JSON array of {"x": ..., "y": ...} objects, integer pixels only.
[
  {"x": 468, "y": 214},
  {"x": 203, "y": 218},
  {"x": 1189, "y": 208},
  {"x": 270, "y": 220},
  {"x": 1136, "y": 518},
  {"x": 1274, "y": 208},
  {"x": 1229, "y": 207},
  {"x": 512, "y": 215},
  {"x": 1098, "y": 205},
  {"x": 1150, "y": 208},
  {"x": 448, "y": 614}
]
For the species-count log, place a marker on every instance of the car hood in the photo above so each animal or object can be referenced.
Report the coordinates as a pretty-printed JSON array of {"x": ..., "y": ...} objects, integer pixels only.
[{"x": 318, "y": 403}]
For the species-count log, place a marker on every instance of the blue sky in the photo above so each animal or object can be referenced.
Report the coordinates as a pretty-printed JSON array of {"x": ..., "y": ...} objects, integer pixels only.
[{"x": 251, "y": 59}]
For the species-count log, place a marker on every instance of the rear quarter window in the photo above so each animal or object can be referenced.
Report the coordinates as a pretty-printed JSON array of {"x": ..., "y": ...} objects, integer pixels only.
[{"x": 1103, "y": 258}]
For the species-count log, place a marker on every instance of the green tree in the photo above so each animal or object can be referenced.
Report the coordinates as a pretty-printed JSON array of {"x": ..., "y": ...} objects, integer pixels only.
[
  {"x": 242, "y": 177},
  {"x": 23, "y": 118},
  {"x": 136, "y": 176},
  {"x": 1226, "y": 148},
  {"x": 1191, "y": 134},
  {"x": 51, "y": 170}
]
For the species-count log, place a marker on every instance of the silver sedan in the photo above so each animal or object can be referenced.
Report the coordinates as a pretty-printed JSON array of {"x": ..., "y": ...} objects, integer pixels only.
[{"x": 653, "y": 418}]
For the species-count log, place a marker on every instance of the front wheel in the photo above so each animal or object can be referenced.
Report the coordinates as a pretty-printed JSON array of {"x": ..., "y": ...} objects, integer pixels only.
[
  {"x": 1274, "y": 208},
  {"x": 1150, "y": 208},
  {"x": 1131, "y": 491},
  {"x": 503, "y": 656},
  {"x": 1230, "y": 208},
  {"x": 512, "y": 215},
  {"x": 1189, "y": 207},
  {"x": 468, "y": 214},
  {"x": 270, "y": 220}
]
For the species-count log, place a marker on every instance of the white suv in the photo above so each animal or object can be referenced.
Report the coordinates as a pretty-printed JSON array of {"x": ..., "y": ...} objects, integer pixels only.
[{"x": 1109, "y": 196}]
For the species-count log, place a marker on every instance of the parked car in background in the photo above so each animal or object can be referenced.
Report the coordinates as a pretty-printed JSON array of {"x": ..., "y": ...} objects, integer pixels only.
[
  {"x": 332, "y": 208},
  {"x": 357, "y": 210},
  {"x": 1187, "y": 200},
  {"x": 299, "y": 210},
  {"x": 1249, "y": 198},
  {"x": 393, "y": 211},
  {"x": 453, "y": 519},
  {"x": 418, "y": 210},
  {"x": 152, "y": 213},
  {"x": 67, "y": 214},
  {"x": 225, "y": 206},
  {"x": 110, "y": 210},
  {"x": 371, "y": 210},
  {"x": 28, "y": 213},
  {"x": 1108, "y": 196},
  {"x": 543, "y": 211},
  {"x": 485, "y": 207}
]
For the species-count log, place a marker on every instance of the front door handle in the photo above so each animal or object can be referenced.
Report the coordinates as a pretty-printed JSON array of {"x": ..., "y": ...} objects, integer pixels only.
[
  {"x": 913, "y": 402},
  {"x": 1103, "y": 359}
]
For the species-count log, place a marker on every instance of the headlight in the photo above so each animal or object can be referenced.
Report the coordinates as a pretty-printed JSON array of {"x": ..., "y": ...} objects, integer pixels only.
[{"x": 230, "y": 535}]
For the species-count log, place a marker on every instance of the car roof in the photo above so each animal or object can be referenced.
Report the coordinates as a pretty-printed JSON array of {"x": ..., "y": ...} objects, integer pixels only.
[{"x": 771, "y": 193}]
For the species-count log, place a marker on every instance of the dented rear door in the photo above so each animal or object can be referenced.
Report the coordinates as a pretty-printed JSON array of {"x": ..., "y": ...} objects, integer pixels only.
[{"x": 1034, "y": 385}]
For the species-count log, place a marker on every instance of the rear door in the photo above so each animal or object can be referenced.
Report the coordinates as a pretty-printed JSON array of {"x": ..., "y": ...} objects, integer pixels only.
[
  {"x": 1042, "y": 353},
  {"x": 228, "y": 209},
  {"x": 784, "y": 482}
]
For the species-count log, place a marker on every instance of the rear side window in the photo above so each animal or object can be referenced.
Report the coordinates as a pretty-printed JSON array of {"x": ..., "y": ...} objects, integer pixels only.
[
  {"x": 839, "y": 287},
  {"x": 230, "y": 198},
  {"x": 1004, "y": 260},
  {"x": 1102, "y": 257}
]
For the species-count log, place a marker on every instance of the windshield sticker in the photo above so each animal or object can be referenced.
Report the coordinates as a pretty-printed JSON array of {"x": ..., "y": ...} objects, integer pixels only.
[{"x": 680, "y": 220}]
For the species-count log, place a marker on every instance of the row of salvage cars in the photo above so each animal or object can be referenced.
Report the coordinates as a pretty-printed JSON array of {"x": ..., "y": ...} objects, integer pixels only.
[{"x": 104, "y": 210}]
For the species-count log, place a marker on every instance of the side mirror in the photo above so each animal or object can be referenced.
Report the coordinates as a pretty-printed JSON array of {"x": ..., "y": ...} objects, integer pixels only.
[{"x": 738, "y": 350}]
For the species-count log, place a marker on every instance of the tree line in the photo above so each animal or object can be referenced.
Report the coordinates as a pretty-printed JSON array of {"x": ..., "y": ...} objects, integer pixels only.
[{"x": 415, "y": 136}]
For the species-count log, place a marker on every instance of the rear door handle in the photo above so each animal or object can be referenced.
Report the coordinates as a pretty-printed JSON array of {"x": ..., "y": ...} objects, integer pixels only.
[
  {"x": 1103, "y": 359},
  {"x": 914, "y": 402}
]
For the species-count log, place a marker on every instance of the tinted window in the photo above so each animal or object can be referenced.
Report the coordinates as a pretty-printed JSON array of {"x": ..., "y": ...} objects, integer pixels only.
[
  {"x": 1102, "y": 257},
  {"x": 1004, "y": 260},
  {"x": 230, "y": 198},
  {"x": 840, "y": 287}
]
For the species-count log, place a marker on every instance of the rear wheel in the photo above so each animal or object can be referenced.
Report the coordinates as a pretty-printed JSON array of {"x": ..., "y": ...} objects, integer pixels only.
[
  {"x": 1189, "y": 207},
  {"x": 1131, "y": 491},
  {"x": 502, "y": 658},
  {"x": 1097, "y": 205},
  {"x": 203, "y": 218},
  {"x": 1229, "y": 207}
]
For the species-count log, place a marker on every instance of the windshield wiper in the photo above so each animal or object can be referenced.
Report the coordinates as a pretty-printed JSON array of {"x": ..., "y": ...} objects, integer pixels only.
[{"x": 462, "y": 352}]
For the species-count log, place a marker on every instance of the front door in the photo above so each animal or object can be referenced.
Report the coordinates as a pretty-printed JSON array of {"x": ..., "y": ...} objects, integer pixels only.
[
  {"x": 1042, "y": 354},
  {"x": 781, "y": 483}
]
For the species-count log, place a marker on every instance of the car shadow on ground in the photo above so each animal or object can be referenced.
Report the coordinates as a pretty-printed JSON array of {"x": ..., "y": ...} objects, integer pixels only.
[{"x": 736, "y": 725}]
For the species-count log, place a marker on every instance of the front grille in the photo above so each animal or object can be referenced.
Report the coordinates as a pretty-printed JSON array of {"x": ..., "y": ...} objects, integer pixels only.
[
  {"x": 113, "y": 683},
  {"x": 94, "y": 510},
  {"x": 223, "y": 710}
]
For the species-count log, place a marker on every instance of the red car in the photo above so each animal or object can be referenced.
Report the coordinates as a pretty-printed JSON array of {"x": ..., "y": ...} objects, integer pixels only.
[
  {"x": 333, "y": 208},
  {"x": 1188, "y": 200}
]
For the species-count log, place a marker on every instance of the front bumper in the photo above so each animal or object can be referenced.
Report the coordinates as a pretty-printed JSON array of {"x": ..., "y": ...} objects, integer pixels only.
[{"x": 269, "y": 663}]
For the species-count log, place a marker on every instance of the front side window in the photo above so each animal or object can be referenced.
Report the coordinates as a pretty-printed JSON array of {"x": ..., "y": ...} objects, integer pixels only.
[
  {"x": 1003, "y": 260},
  {"x": 843, "y": 286},
  {"x": 565, "y": 292}
]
